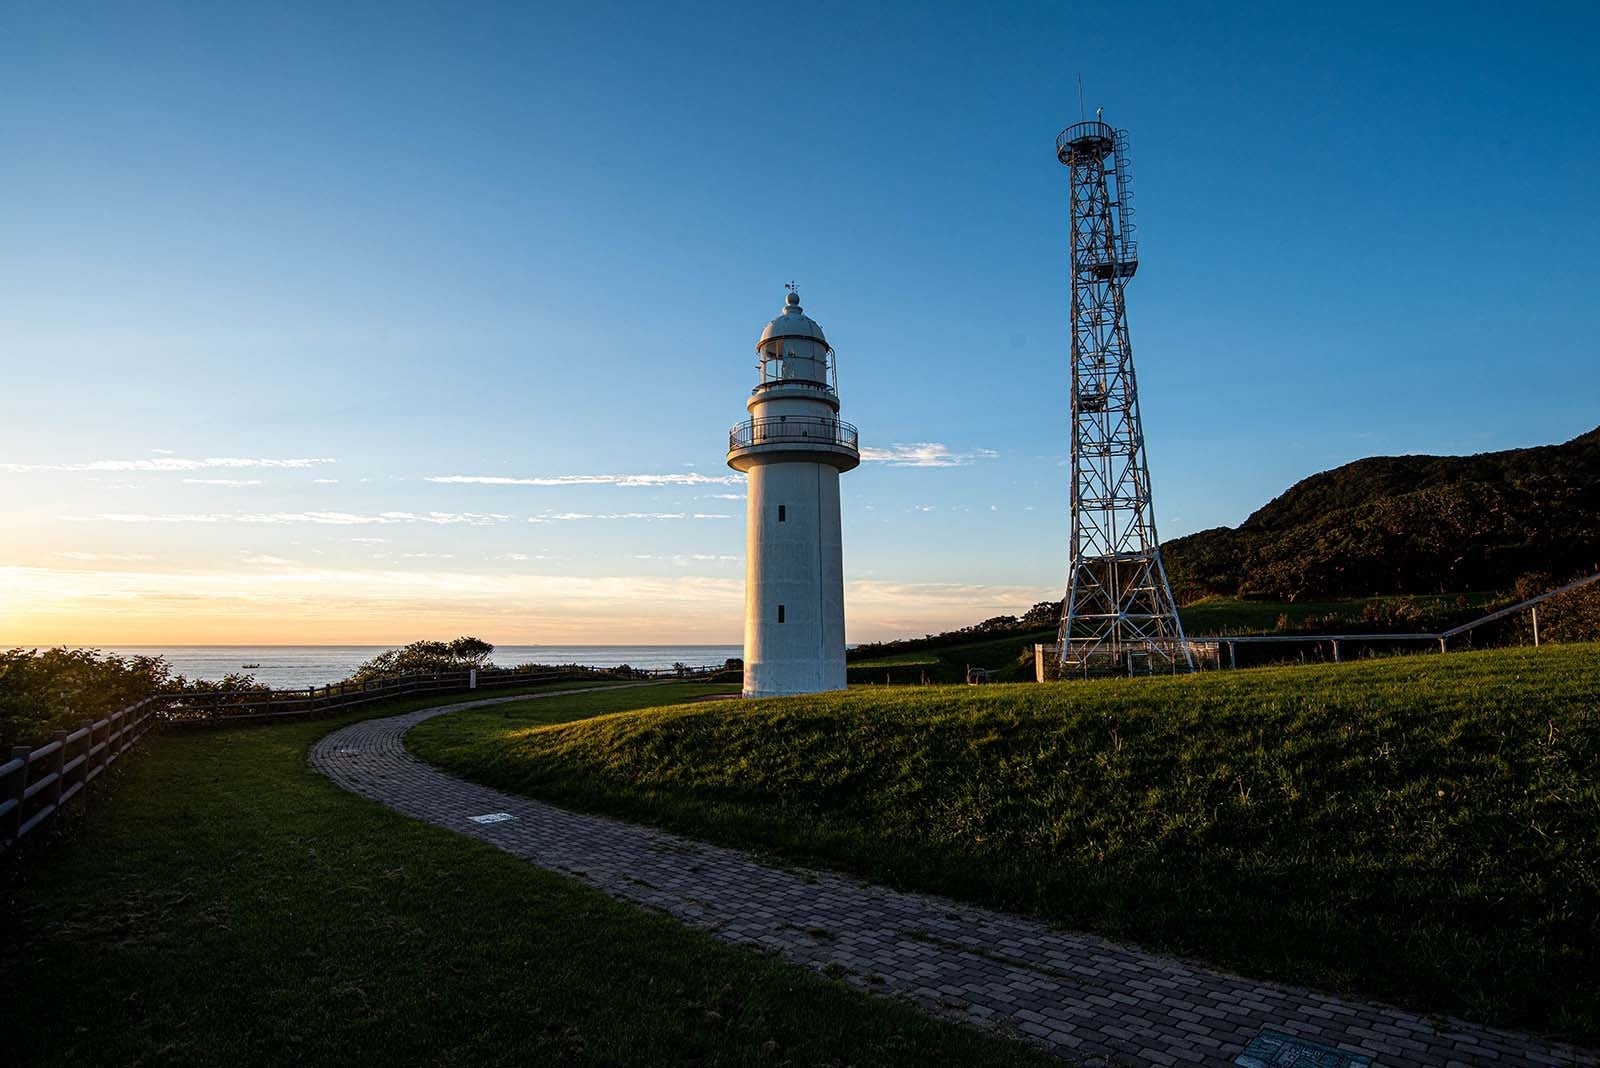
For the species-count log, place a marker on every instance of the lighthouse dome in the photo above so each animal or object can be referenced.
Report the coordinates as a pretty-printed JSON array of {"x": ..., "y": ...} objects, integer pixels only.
[{"x": 794, "y": 322}]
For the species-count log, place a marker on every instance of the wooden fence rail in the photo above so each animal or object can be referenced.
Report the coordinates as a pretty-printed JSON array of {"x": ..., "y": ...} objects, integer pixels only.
[
  {"x": 36, "y": 783},
  {"x": 242, "y": 706}
]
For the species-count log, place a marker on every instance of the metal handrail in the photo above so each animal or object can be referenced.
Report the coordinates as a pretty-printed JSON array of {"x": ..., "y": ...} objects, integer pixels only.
[
  {"x": 790, "y": 430},
  {"x": 1531, "y": 602},
  {"x": 1123, "y": 250},
  {"x": 1082, "y": 131},
  {"x": 796, "y": 383}
]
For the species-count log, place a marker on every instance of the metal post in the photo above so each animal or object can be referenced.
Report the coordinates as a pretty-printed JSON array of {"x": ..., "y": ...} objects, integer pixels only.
[
  {"x": 1233, "y": 659},
  {"x": 1536, "y": 626},
  {"x": 1335, "y": 649}
]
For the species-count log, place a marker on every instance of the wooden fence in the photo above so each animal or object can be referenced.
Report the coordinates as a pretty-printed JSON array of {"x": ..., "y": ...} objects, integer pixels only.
[
  {"x": 243, "y": 706},
  {"x": 36, "y": 783}
]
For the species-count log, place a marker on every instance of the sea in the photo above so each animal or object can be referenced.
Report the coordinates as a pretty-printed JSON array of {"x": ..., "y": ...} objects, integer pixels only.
[{"x": 293, "y": 666}]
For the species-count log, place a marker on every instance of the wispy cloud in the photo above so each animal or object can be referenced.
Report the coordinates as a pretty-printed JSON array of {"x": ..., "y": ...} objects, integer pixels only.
[
  {"x": 925, "y": 454},
  {"x": 104, "y": 556},
  {"x": 720, "y": 497},
  {"x": 171, "y": 463},
  {"x": 692, "y": 478},
  {"x": 321, "y": 518},
  {"x": 887, "y": 609},
  {"x": 264, "y": 559},
  {"x": 572, "y": 517},
  {"x": 684, "y": 558},
  {"x": 326, "y": 481},
  {"x": 223, "y": 481}
]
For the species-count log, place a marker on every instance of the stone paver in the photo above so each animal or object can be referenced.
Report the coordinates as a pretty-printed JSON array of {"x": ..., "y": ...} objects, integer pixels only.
[{"x": 1078, "y": 995}]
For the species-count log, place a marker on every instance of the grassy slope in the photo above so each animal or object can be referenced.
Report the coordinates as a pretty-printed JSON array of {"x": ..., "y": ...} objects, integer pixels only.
[
  {"x": 223, "y": 904},
  {"x": 1422, "y": 829},
  {"x": 949, "y": 663}
]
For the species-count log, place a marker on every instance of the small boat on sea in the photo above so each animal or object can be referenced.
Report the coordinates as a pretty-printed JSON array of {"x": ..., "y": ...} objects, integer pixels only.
[{"x": 249, "y": 665}]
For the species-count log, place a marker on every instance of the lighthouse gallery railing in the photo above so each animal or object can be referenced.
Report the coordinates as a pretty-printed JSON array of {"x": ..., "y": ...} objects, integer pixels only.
[{"x": 794, "y": 429}]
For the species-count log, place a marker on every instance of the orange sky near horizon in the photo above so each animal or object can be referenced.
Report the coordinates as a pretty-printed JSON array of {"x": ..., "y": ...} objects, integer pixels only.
[{"x": 276, "y": 604}]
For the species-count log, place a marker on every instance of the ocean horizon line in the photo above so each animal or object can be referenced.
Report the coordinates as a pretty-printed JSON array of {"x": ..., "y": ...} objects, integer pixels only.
[
  {"x": 370, "y": 645},
  {"x": 307, "y": 665}
]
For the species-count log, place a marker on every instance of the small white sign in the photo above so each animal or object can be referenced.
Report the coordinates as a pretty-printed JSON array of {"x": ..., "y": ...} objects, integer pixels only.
[{"x": 492, "y": 817}]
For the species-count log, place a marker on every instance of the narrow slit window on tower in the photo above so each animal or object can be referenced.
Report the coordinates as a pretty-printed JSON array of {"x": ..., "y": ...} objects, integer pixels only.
[
  {"x": 780, "y": 613},
  {"x": 783, "y": 514}
]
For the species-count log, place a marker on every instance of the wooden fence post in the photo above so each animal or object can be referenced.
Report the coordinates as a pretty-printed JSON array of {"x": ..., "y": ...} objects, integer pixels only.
[
  {"x": 58, "y": 764},
  {"x": 88, "y": 753},
  {"x": 19, "y": 784}
]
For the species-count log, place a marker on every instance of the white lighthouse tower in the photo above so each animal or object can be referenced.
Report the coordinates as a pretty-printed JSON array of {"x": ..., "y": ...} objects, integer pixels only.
[{"x": 793, "y": 447}]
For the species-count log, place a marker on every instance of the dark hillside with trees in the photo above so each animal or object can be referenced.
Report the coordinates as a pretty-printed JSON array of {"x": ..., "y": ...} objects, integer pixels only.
[{"x": 1407, "y": 524}]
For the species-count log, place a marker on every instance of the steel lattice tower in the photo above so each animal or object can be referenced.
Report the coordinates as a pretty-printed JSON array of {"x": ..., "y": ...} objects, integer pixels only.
[{"x": 1118, "y": 615}]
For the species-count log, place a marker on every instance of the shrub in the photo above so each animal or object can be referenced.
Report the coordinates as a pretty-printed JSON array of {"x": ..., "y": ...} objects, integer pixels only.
[
  {"x": 458, "y": 655},
  {"x": 1573, "y": 616},
  {"x": 55, "y": 689}
]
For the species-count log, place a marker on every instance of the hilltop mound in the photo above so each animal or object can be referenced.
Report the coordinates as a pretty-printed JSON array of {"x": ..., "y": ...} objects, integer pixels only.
[
  {"x": 1407, "y": 524},
  {"x": 1279, "y": 822}
]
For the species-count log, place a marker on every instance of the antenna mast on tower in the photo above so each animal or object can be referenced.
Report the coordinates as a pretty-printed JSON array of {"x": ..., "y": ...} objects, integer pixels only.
[{"x": 1118, "y": 616}]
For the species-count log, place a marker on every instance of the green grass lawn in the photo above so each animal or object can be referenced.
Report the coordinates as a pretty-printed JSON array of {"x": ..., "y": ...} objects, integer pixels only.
[
  {"x": 1230, "y": 615},
  {"x": 1424, "y": 830},
  {"x": 219, "y": 903},
  {"x": 916, "y": 657},
  {"x": 949, "y": 663}
]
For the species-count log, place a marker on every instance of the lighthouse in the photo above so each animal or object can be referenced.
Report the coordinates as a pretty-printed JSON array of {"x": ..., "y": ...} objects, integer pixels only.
[{"x": 793, "y": 448}]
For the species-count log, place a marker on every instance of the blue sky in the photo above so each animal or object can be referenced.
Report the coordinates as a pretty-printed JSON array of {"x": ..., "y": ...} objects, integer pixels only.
[{"x": 534, "y": 242}]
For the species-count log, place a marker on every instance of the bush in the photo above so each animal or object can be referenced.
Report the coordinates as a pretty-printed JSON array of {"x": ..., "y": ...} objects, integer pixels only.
[
  {"x": 458, "y": 655},
  {"x": 59, "y": 688},
  {"x": 1573, "y": 616}
]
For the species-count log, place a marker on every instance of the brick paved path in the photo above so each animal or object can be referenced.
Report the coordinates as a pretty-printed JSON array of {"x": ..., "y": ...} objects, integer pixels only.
[{"x": 1075, "y": 994}]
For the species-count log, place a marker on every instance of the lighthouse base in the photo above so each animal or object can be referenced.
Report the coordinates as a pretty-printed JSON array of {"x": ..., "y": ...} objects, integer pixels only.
[
  {"x": 769, "y": 680},
  {"x": 794, "y": 580}
]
